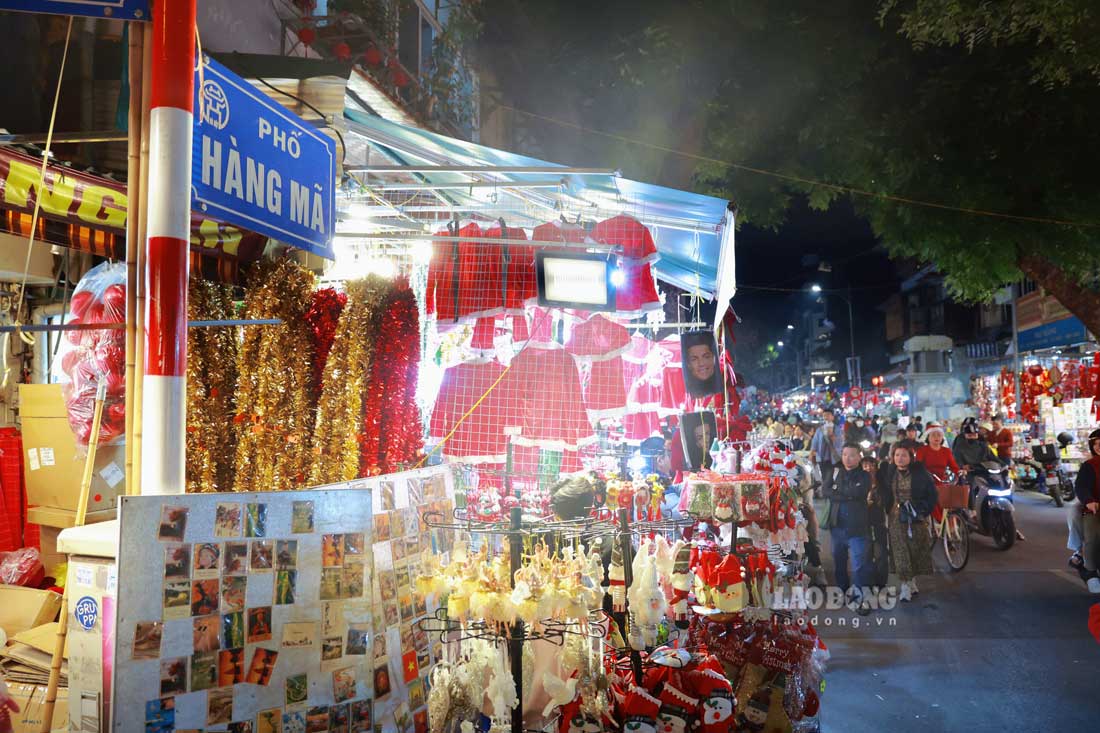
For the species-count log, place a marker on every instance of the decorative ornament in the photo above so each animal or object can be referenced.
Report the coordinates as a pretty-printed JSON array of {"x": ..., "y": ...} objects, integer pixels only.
[
  {"x": 322, "y": 317},
  {"x": 342, "y": 51},
  {"x": 373, "y": 56},
  {"x": 307, "y": 36}
]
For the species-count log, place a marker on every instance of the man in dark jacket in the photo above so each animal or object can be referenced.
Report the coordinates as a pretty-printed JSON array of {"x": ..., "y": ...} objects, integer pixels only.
[
  {"x": 1087, "y": 488},
  {"x": 849, "y": 525}
]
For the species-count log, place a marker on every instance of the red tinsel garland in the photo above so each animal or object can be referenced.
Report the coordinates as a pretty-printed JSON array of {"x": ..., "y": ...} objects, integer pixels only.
[
  {"x": 392, "y": 435},
  {"x": 322, "y": 316}
]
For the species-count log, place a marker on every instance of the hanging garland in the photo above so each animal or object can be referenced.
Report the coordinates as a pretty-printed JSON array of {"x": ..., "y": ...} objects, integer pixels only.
[
  {"x": 211, "y": 388},
  {"x": 392, "y": 434},
  {"x": 340, "y": 409},
  {"x": 274, "y": 417},
  {"x": 322, "y": 317}
]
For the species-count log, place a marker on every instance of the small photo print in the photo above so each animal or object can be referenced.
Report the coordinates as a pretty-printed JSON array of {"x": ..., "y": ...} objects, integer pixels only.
[
  {"x": 388, "y": 495},
  {"x": 362, "y": 718},
  {"x": 382, "y": 528},
  {"x": 173, "y": 676},
  {"x": 351, "y": 584},
  {"x": 411, "y": 518},
  {"x": 391, "y": 614},
  {"x": 358, "y": 638},
  {"x": 255, "y": 520},
  {"x": 261, "y": 558},
  {"x": 343, "y": 684},
  {"x": 412, "y": 547},
  {"x": 160, "y": 715},
  {"x": 236, "y": 558},
  {"x": 378, "y": 620},
  {"x": 204, "y": 671},
  {"x": 259, "y": 624},
  {"x": 147, "y": 637},
  {"x": 240, "y": 726},
  {"x": 177, "y": 600},
  {"x": 338, "y": 719},
  {"x": 397, "y": 550},
  {"x": 204, "y": 597},
  {"x": 331, "y": 580},
  {"x": 402, "y": 579},
  {"x": 299, "y": 634},
  {"x": 405, "y": 605},
  {"x": 297, "y": 689},
  {"x": 386, "y": 585},
  {"x": 420, "y": 605},
  {"x": 420, "y": 721},
  {"x": 208, "y": 557},
  {"x": 416, "y": 491},
  {"x": 332, "y": 648},
  {"x": 173, "y": 523},
  {"x": 294, "y": 722},
  {"x": 233, "y": 593},
  {"x": 177, "y": 562},
  {"x": 317, "y": 719},
  {"x": 416, "y": 694},
  {"x": 233, "y": 630},
  {"x": 230, "y": 667},
  {"x": 219, "y": 706},
  {"x": 379, "y": 645},
  {"x": 332, "y": 550},
  {"x": 285, "y": 582},
  {"x": 301, "y": 517},
  {"x": 269, "y": 721},
  {"x": 353, "y": 543},
  {"x": 262, "y": 667},
  {"x": 206, "y": 633},
  {"x": 422, "y": 659},
  {"x": 382, "y": 683},
  {"x": 286, "y": 554},
  {"x": 227, "y": 520}
]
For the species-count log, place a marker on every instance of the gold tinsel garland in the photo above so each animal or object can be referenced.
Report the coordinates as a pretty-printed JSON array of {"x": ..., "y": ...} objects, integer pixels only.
[
  {"x": 211, "y": 388},
  {"x": 274, "y": 418},
  {"x": 340, "y": 410}
]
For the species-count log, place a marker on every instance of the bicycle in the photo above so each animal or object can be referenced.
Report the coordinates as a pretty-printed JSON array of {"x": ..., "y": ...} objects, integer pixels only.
[{"x": 949, "y": 525}]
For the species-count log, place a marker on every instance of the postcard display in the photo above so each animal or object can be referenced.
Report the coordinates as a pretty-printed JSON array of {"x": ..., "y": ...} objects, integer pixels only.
[{"x": 245, "y": 612}]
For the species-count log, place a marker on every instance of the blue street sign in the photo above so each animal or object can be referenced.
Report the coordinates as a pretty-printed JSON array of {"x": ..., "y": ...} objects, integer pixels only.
[
  {"x": 119, "y": 9},
  {"x": 1064, "y": 332},
  {"x": 258, "y": 165}
]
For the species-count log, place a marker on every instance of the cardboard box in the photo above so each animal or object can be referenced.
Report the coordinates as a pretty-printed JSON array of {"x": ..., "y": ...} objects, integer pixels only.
[
  {"x": 52, "y": 465},
  {"x": 32, "y": 703},
  {"x": 51, "y": 522},
  {"x": 25, "y": 608}
]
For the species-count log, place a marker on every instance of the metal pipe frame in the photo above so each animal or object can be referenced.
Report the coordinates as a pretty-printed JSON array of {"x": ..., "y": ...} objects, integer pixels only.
[{"x": 485, "y": 169}]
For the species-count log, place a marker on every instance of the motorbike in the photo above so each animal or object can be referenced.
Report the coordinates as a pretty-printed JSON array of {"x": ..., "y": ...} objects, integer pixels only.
[
  {"x": 992, "y": 512},
  {"x": 1046, "y": 474}
]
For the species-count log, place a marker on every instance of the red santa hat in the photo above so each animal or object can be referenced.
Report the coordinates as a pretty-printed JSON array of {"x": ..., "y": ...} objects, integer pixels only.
[
  {"x": 707, "y": 684},
  {"x": 678, "y": 703},
  {"x": 719, "y": 575}
]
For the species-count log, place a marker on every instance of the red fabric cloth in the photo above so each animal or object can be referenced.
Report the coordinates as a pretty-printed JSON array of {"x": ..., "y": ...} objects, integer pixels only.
[
  {"x": 937, "y": 461},
  {"x": 634, "y": 360},
  {"x": 597, "y": 339},
  {"x": 638, "y": 293},
  {"x": 484, "y": 331},
  {"x": 476, "y": 276},
  {"x": 673, "y": 390},
  {"x": 518, "y": 261},
  {"x": 14, "y": 531},
  {"x": 604, "y": 393},
  {"x": 542, "y": 327},
  {"x": 480, "y": 438},
  {"x": 539, "y": 401}
]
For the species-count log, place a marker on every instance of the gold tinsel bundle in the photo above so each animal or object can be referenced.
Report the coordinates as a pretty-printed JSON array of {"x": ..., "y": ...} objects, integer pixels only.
[
  {"x": 274, "y": 418},
  {"x": 340, "y": 410},
  {"x": 211, "y": 388}
]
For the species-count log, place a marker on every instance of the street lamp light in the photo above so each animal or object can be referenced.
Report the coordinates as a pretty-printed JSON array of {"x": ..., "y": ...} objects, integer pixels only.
[
  {"x": 779, "y": 344},
  {"x": 815, "y": 288},
  {"x": 790, "y": 326}
]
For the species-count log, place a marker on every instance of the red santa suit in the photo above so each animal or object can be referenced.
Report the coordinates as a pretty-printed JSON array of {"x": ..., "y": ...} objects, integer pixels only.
[
  {"x": 480, "y": 437},
  {"x": 540, "y": 400},
  {"x": 517, "y": 263},
  {"x": 600, "y": 342},
  {"x": 638, "y": 293}
]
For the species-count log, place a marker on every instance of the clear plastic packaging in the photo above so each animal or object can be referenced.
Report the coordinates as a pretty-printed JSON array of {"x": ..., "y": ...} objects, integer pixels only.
[
  {"x": 97, "y": 356},
  {"x": 21, "y": 567}
]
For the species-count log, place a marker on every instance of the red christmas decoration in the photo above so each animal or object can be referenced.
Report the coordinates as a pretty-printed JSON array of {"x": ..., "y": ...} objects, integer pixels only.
[
  {"x": 322, "y": 316},
  {"x": 400, "y": 78},
  {"x": 342, "y": 51},
  {"x": 373, "y": 56},
  {"x": 307, "y": 35}
]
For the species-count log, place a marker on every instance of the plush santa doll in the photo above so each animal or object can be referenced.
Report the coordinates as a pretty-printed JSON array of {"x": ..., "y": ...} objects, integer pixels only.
[
  {"x": 754, "y": 716},
  {"x": 681, "y": 584},
  {"x": 639, "y": 711},
  {"x": 574, "y": 720}
]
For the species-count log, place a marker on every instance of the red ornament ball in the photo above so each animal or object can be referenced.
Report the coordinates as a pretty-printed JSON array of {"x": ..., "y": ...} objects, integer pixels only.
[
  {"x": 400, "y": 78},
  {"x": 307, "y": 36},
  {"x": 342, "y": 51},
  {"x": 373, "y": 56}
]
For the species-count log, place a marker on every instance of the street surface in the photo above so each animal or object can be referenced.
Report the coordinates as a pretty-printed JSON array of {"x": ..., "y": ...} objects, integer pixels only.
[{"x": 1001, "y": 646}]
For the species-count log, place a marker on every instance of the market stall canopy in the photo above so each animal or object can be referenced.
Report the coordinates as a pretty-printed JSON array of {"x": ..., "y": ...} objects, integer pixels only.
[{"x": 693, "y": 233}]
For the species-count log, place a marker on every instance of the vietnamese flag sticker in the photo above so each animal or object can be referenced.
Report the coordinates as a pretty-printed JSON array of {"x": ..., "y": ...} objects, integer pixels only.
[{"x": 409, "y": 668}]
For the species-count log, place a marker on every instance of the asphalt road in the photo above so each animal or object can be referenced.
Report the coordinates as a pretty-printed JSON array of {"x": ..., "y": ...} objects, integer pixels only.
[{"x": 1001, "y": 646}]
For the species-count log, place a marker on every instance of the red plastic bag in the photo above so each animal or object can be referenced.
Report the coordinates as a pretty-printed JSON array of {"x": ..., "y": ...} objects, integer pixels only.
[
  {"x": 22, "y": 567},
  {"x": 97, "y": 357}
]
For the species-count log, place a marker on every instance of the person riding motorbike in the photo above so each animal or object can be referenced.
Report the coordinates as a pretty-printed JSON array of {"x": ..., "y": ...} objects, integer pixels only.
[{"x": 971, "y": 451}]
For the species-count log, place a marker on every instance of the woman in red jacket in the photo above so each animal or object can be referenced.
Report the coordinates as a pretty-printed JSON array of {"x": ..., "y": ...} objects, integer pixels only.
[{"x": 935, "y": 456}]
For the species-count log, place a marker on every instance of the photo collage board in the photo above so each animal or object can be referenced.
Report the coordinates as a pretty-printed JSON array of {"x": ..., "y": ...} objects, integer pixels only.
[
  {"x": 403, "y": 653},
  {"x": 246, "y": 613}
]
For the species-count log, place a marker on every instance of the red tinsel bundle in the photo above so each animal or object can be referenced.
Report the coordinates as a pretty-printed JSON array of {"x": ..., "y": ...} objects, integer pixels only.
[
  {"x": 392, "y": 434},
  {"x": 324, "y": 312}
]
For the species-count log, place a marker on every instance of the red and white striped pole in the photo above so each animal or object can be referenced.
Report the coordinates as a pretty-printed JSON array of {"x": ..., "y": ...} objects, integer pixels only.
[{"x": 164, "y": 400}]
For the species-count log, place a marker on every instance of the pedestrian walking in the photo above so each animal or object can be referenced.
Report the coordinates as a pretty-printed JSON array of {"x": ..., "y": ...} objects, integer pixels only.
[
  {"x": 849, "y": 527},
  {"x": 908, "y": 496},
  {"x": 826, "y": 446},
  {"x": 876, "y": 520},
  {"x": 1087, "y": 488}
]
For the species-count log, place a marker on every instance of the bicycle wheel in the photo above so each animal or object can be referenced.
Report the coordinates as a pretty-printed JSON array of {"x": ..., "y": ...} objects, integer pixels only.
[{"x": 956, "y": 541}]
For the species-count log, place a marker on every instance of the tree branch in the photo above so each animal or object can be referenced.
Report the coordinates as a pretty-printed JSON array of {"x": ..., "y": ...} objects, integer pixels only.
[{"x": 1077, "y": 299}]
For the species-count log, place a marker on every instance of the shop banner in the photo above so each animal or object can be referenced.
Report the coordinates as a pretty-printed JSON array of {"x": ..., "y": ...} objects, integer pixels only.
[
  {"x": 87, "y": 201},
  {"x": 258, "y": 165},
  {"x": 118, "y": 9},
  {"x": 1063, "y": 332}
]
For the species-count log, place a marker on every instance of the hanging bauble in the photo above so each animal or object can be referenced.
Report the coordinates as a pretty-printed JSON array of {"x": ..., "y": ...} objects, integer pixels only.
[
  {"x": 342, "y": 51},
  {"x": 373, "y": 57},
  {"x": 307, "y": 36}
]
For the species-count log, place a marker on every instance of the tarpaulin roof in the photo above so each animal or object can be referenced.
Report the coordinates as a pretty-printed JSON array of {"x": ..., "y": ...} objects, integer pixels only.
[{"x": 693, "y": 233}]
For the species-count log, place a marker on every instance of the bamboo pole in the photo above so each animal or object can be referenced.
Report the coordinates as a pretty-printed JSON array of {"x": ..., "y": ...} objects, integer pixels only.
[
  {"x": 139, "y": 209},
  {"x": 81, "y": 513},
  {"x": 133, "y": 197}
]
